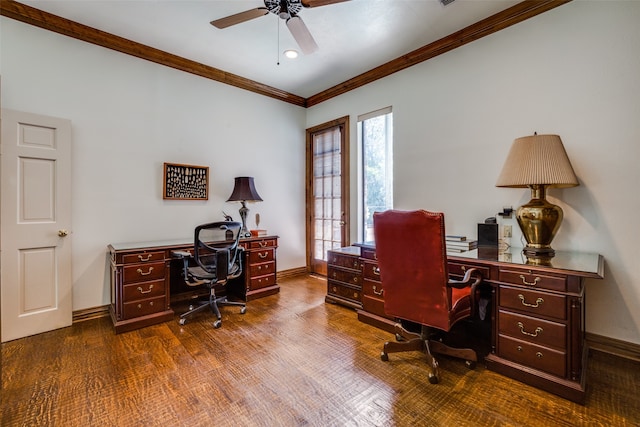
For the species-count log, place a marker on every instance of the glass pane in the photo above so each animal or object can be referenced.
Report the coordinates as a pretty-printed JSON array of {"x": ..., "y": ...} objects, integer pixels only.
[
  {"x": 337, "y": 230},
  {"x": 377, "y": 168},
  {"x": 326, "y": 232},
  {"x": 318, "y": 252},
  {"x": 318, "y": 229},
  {"x": 337, "y": 210},
  {"x": 327, "y": 187}
]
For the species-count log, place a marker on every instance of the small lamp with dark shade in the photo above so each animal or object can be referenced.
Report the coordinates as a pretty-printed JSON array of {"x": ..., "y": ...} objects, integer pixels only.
[
  {"x": 244, "y": 191},
  {"x": 538, "y": 162}
]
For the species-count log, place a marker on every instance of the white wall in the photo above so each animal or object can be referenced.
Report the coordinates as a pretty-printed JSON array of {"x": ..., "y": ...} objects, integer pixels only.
[
  {"x": 129, "y": 116},
  {"x": 574, "y": 71}
]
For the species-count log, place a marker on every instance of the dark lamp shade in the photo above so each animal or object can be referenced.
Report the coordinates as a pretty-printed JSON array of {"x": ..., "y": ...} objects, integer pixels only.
[
  {"x": 244, "y": 191},
  {"x": 537, "y": 159}
]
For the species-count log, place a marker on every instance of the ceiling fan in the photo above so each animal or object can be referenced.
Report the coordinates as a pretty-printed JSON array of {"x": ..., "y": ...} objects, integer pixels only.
[{"x": 285, "y": 9}]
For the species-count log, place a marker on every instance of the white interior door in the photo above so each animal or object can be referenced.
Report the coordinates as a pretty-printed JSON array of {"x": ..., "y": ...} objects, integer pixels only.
[{"x": 35, "y": 219}]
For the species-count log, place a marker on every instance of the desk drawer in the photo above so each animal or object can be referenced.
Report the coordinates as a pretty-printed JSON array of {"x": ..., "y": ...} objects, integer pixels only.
[
  {"x": 371, "y": 271},
  {"x": 143, "y": 257},
  {"x": 345, "y": 261},
  {"x": 143, "y": 272},
  {"x": 143, "y": 290},
  {"x": 256, "y": 257},
  {"x": 261, "y": 244},
  {"x": 534, "y": 356},
  {"x": 262, "y": 281},
  {"x": 533, "y": 280},
  {"x": 144, "y": 307},
  {"x": 537, "y": 303},
  {"x": 459, "y": 269},
  {"x": 346, "y": 276},
  {"x": 537, "y": 331},
  {"x": 262, "y": 269},
  {"x": 368, "y": 253},
  {"x": 342, "y": 291}
]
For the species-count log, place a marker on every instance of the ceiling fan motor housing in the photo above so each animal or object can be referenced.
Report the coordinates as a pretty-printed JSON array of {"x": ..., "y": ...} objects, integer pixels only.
[{"x": 285, "y": 9}]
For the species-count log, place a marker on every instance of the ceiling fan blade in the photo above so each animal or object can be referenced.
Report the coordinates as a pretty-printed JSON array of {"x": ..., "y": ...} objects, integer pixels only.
[
  {"x": 317, "y": 3},
  {"x": 239, "y": 18},
  {"x": 302, "y": 35}
]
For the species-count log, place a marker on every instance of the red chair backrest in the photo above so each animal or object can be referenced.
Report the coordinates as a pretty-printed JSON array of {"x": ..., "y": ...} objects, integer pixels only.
[{"x": 411, "y": 253}]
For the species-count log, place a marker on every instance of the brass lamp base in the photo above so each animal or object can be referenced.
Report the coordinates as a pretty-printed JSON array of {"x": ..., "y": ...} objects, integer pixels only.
[{"x": 539, "y": 221}]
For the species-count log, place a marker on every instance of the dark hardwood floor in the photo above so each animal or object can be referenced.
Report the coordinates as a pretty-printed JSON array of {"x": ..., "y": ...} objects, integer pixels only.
[{"x": 291, "y": 360}]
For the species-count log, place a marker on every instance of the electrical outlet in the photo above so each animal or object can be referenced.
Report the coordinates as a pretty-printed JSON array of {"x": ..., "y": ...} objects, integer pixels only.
[{"x": 506, "y": 231}]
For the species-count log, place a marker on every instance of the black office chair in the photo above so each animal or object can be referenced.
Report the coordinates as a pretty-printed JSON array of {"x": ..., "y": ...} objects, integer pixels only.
[{"x": 218, "y": 258}]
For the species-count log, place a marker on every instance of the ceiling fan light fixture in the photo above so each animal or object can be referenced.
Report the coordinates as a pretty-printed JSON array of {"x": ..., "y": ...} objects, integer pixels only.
[{"x": 291, "y": 54}]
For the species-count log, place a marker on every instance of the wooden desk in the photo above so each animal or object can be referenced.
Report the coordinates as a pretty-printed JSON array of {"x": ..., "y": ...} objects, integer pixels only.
[
  {"x": 537, "y": 310},
  {"x": 145, "y": 279}
]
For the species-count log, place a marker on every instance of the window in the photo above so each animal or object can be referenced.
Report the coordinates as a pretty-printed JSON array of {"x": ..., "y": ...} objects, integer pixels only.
[{"x": 375, "y": 137}]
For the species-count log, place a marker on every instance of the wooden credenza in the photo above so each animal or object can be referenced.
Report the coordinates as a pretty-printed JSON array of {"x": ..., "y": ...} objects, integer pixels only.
[
  {"x": 537, "y": 310},
  {"x": 145, "y": 279}
]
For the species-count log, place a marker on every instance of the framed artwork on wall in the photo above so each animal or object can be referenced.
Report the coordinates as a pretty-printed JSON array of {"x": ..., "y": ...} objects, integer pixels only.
[{"x": 185, "y": 182}]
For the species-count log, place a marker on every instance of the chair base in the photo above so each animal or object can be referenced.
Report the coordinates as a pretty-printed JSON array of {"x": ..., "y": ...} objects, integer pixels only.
[
  {"x": 213, "y": 303},
  {"x": 410, "y": 341}
]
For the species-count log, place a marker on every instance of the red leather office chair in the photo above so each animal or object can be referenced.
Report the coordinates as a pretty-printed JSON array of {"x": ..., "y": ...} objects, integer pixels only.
[{"x": 411, "y": 253}]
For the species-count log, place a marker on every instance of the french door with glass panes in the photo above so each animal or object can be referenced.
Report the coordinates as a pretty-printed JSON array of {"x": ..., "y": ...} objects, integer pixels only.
[{"x": 327, "y": 191}]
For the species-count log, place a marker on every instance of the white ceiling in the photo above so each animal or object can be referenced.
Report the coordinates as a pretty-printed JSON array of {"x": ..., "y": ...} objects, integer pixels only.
[{"x": 353, "y": 37}]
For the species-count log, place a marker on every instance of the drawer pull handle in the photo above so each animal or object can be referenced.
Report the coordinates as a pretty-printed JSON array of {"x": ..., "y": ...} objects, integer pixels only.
[
  {"x": 376, "y": 271},
  {"x": 144, "y": 259},
  {"x": 263, "y": 255},
  {"x": 539, "y": 355},
  {"x": 355, "y": 264},
  {"x": 464, "y": 268},
  {"x": 355, "y": 280},
  {"x": 147, "y": 291},
  {"x": 334, "y": 275},
  {"x": 519, "y": 348},
  {"x": 334, "y": 289},
  {"x": 524, "y": 280},
  {"x": 380, "y": 292},
  {"x": 534, "y": 334},
  {"x": 262, "y": 244},
  {"x": 142, "y": 273},
  {"x": 355, "y": 295},
  {"x": 536, "y": 305}
]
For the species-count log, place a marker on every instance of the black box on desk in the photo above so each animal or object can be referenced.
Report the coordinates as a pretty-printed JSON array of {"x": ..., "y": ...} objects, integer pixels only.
[{"x": 488, "y": 234}]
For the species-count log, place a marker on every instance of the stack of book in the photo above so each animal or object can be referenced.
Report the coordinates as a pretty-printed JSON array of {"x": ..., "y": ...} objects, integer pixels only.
[{"x": 460, "y": 244}]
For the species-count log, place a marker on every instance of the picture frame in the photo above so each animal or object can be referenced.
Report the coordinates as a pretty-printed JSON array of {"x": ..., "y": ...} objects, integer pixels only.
[{"x": 185, "y": 182}]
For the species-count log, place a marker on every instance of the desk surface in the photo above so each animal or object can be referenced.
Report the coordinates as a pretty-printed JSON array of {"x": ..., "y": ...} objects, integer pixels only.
[
  {"x": 584, "y": 264},
  {"x": 155, "y": 244}
]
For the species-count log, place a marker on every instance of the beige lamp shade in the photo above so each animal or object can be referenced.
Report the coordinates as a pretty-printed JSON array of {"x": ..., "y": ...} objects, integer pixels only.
[{"x": 537, "y": 159}]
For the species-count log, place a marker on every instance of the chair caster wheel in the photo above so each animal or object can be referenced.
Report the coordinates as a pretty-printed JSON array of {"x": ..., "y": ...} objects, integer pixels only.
[
  {"x": 384, "y": 357},
  {"x": 471, "y": 364},
  {"x": 217, "y": 324},
  {"x": 243, "y": 310},
  {"x": 182, "y": 321},
  {"x": 433, "y": 379}
]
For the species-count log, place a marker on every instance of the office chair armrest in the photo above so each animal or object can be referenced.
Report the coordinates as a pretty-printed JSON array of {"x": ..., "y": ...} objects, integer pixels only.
[
  {"x": 184, "y": 256},
  {"x": 465, "y": 282},
  {"x": 181, "y": 254}
]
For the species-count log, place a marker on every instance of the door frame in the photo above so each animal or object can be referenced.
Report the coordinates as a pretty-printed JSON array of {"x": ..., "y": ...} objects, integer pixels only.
[{"x": 343, "y": 123}]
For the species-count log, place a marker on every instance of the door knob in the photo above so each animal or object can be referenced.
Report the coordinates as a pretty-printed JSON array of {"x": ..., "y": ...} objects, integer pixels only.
[{"x": 62, "y": 233}]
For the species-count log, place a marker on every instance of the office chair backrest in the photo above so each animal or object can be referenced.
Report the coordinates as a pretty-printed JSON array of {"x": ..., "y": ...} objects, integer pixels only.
[
  {"x": 411, "y": 253},
  {"x": 216, "y": 246}
]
